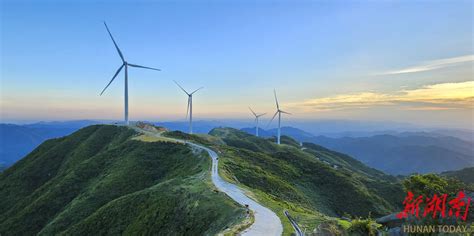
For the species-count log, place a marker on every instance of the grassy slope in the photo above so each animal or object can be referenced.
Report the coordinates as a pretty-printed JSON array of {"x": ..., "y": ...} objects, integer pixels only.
[
  {"x": 100, "y": 181},
  {"x": 466, "y": 175},
  {"x": 291, "y": 177}
]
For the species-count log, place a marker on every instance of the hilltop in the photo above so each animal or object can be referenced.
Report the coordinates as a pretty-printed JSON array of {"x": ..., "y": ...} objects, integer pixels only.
[
  {"x": 106, "y": 179},
  {"x": 101, "y": 180}
]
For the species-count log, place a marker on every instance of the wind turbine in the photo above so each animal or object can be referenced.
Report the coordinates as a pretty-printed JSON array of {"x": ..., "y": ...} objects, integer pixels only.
[
  {"x": 278, "y": 111},
  {"x": 256, "y": 120},
  {"x": 190, "y": 106},
  {"x": 126, "y": 65}
]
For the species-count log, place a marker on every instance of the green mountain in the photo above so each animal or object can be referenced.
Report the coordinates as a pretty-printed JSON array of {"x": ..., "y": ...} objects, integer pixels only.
[
  {"x": 107, "y": 179},
  {"x": 392, "y": 152},
  {"x": 465, "y": 175},
  {"x": 102, "y": 181},
  {"x": 314, "y": 183}
]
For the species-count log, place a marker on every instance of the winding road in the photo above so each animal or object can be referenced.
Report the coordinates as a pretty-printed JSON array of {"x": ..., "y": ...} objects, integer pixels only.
[{"x": 266, "y": 221}]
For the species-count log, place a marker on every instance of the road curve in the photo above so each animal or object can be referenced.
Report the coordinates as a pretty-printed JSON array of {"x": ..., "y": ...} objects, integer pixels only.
[{"x": 266, "y": 221}]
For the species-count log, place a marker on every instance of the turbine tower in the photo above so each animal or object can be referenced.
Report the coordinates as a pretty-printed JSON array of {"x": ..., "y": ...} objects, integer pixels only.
[
  {"x": 278, "y": 111},
  {"x": 126, "y": 65},
  {"x": 256, "y": 120},
  {"x": 190, "y": 106}
]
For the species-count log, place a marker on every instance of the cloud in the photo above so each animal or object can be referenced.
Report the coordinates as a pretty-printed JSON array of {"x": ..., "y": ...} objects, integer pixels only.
[
  {"x": 444, "y": 96},
  {"x": 432, "y": 65}
]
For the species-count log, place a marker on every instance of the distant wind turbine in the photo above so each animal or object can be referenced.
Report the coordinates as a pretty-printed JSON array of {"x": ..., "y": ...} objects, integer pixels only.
[
  {"x": 278, "y": 111},
  {"x": 190, "y": 106},
  {"x": 126, "y": 65},
  {"x": 256, "y": 120}
]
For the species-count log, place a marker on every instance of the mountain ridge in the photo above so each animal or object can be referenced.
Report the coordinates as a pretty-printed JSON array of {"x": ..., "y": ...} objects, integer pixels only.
[
  {"x": 393, "y": 154},
  {"x": 81, "y": 183}
]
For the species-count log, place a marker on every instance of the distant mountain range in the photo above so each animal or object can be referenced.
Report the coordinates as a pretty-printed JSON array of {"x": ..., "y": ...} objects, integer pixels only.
[
  {"x": 397, "y": 153},
  {"x": 394, "y": 152},
  {"x": 18, "y": 140}
]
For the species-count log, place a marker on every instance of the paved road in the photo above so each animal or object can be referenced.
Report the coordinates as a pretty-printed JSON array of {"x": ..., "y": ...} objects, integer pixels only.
[{"x": 266, "y": 221}]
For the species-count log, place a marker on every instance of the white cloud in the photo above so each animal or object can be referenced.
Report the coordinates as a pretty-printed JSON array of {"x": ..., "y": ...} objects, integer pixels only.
[
  {"x": 444, "y": 96},
  {"x": 432, "y": 65}
]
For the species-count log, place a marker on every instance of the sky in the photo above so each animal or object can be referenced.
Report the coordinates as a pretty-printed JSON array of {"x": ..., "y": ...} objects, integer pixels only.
[{"x": 401, "y": 61}]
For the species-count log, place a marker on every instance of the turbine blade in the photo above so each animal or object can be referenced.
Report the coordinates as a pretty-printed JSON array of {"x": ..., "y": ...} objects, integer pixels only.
[
  {"x": 276, "y": 99},
  {"x": 144, "y": 67},
  {"x": 116, "y": 73},
  {"x": 261, "y": 114},
  {"x": 253, "y": 112},
  {"x": 197, "y": 90},
  {"x": 285, "y": 112},
  {"x": 116, "y": 46},
  {"x": 181, "y": 88},
  {"x": 272, "y": 118}
]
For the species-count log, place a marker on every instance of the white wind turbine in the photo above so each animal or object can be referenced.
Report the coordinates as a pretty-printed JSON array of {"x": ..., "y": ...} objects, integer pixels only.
[
  {"x": 126, "y": 65},
  {"x": 256, "y": 120},
  {"x": 190, "y": 106},
  {"x": 278, "y": 111}
]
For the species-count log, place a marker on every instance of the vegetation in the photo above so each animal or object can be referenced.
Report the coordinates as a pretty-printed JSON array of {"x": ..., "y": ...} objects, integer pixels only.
[
  {"x": 430, "y": 184},
  {"x": 330, "y": 227},
  {"x": 99, "y": 181},
  {"x": 313, "y": 183},
  {"x": 363, "y": 227},
  {"x": 184, "y": 136},
  {"x": 110, "y": 180},
  {"x": 465, "y": 175}
]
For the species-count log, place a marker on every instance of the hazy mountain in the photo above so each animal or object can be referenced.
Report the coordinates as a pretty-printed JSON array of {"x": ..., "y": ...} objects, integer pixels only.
[
  {"x": 401, "y": 153},
  {"x": 467, "y": 135},
  {"x": 405, "y": 155},
  {"x": 18, "y": 140}
]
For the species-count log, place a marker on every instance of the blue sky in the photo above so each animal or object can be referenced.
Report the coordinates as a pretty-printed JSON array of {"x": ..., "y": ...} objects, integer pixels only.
[{"x": 326, "y": 59}]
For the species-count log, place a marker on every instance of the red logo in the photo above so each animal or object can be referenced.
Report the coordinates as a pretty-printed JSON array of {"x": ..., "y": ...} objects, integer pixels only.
[{"x": 436, "y": 205}]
